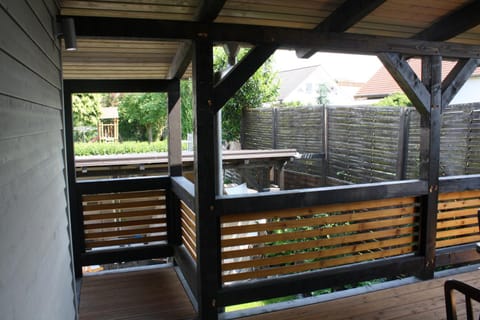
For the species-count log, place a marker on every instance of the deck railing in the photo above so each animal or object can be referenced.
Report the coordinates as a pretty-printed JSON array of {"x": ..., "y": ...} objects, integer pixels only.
[
  {"x": 121, "y": 220},
  {"x": 265, "y": 244},
  {"x": 280, "y": 243}
]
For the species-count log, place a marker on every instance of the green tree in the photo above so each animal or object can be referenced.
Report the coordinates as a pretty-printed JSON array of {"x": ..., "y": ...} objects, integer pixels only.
[
  {"x": 396, "y": 99},
  {"x": 86, "y": 112},
  {"x": 148, "y": 110},
  {"x": 262, "y": 87},
  {"x": 187, "y": 110}
]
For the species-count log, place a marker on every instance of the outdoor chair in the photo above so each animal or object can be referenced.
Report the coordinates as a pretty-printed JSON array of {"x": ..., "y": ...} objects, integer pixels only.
[{"x": 468, "y": 291}]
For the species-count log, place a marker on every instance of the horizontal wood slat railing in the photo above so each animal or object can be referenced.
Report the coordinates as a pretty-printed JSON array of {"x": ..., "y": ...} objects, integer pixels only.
[
  {"x": 124, "y": 218},
  {"x": 457, "y": 221},
  {"x": 264, "y": 244},
  {"x": 189, "y": 237}
]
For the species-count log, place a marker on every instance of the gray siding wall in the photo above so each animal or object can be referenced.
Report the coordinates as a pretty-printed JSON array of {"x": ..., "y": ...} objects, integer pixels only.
[{"x": 36, "y": 280}]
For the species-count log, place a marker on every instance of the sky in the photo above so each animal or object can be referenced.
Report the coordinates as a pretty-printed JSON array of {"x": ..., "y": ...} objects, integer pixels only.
[{"x": 343, "y": 67}]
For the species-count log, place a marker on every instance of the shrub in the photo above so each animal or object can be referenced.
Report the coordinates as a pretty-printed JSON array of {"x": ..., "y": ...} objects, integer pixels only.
[{"x": 104, "y": 148}]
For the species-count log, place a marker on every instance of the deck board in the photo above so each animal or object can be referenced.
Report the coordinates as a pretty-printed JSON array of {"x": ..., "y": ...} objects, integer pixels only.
[
  {"x": 158, "y": 294},
  {"x": 418, "y": 301},
  {"x": 148, "y": 294}
]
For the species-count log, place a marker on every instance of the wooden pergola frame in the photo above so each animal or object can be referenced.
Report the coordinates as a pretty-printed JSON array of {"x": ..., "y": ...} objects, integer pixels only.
[{"x": 429, "y": 95}]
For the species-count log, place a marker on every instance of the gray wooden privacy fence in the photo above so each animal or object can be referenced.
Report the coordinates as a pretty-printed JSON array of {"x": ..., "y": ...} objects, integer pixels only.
[{"x": 343, "y": 145}]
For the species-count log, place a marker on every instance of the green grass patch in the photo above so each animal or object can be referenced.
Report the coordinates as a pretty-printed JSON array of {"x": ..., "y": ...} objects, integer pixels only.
[{"x": 106, "y": 148}]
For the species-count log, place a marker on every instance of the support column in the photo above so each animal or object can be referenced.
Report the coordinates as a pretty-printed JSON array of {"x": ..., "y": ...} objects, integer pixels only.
[
  {"x": 205, "y": 154},
  {"x": 174, "y": 129},
  {"x": 174, "y": 160},
  {"x": 430, "y": 161}
]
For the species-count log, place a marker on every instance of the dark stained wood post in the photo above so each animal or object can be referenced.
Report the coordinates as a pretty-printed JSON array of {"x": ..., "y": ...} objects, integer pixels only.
[
  {"x": 174, "y": 129},
  {"x": 430, "y": 125},
  {"x": 207, "y": 224},
  {"x": 174, "y": 160}
]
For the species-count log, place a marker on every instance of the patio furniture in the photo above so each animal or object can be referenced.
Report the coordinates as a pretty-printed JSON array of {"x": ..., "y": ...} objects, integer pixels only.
[{"x": 468, "y": 291}]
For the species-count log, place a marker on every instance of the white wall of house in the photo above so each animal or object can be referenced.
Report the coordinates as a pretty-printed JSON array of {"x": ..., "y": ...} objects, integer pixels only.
[
  {"x": 36, "y": 279},
  {"x": 470, "y": 92}
]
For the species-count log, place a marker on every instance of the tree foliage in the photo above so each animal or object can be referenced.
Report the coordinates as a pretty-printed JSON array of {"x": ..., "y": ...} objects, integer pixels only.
[
  {"x": 396, "y": 99},
  {"x": 148, "y": 110},
  {"x": 187, "y": 110},
  {"x": 262, "y": 87},
  {"x": 86, "y": 109},
  {"x": 86, "y": 112}
]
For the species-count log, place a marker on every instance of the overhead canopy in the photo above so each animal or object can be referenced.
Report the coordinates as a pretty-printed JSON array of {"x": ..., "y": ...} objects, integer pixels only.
[{"x": 100, "y": 55}]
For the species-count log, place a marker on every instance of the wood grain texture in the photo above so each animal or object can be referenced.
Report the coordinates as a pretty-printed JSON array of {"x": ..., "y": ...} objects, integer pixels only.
[
  {"x": 318, "y": 237},
  {"x": 151, "y": 294},
  {"x": 417, "y": 301}
]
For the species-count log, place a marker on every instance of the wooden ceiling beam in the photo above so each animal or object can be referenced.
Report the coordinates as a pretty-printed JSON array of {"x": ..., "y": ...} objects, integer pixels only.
[
  {"x": 453, "y": 24},
  {"x": 344, "y": 17},
  {"x": 240, "y": 73},
  {"x": 285, "y": 38},
  {"x": 457, "y": 77},
  {"x": 207, "y": 11},
  {"x": 407, "y": 80}
]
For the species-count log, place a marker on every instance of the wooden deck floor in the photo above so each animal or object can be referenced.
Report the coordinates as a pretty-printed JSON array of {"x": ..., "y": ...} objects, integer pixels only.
[
  {"x": 136, "y": 295},
  {"x": 418, "y": 301},
  {"x": 158, "y": 294}
]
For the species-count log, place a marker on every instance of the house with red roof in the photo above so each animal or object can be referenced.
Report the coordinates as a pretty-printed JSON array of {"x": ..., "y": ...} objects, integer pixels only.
[{"x": 382, "y": 84}]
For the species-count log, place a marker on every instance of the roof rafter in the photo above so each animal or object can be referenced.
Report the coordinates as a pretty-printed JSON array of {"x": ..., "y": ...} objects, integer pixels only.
[
  {"x": 344, "y": 17},
  {"x": 453, "y": 24},
  {"x": 241, "y": 72},
  {"x": 207, "y": 11},
  {"x": 286, "y": 38}
]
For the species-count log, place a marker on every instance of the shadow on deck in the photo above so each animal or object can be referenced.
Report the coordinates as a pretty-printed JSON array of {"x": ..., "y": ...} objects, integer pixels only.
[{"x": 158, "y": 294}]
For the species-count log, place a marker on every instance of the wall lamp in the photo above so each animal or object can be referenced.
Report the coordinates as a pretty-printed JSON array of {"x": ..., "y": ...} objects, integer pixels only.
[{"x": 66, "y": 29}]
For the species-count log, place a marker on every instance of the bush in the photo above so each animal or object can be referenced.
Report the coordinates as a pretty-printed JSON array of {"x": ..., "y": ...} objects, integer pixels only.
[{"x": 105, "y": 148}]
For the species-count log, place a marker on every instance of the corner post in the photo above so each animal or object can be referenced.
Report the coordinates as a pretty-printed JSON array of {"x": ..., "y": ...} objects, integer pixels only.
[
  {"x": 205, "y": 154},
  {"x": 174, "y": 160},
  {"x": 430, "y": 125},
  {"x": 174, "y": 129}
]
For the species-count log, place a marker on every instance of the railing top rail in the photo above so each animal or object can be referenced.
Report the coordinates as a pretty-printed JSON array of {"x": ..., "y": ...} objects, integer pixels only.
[{"x": 236, "y": 204}]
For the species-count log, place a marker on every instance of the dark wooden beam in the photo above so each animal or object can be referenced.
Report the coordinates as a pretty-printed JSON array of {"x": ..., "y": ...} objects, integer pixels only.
[
  {"x": 457, "y": 255},
  {"x": 207, "y": 223},
  {"x": 188, "y": 269},
  {"x": 122, "y": 185},
  {"x": 453, "y": 24},
  {"x": 241, "y": 72},
  {"x": 184, "y": 190},
  {"x": 285, "y": 38},
  {"x": 90, "y": 86},
  {"x": 180, "y": 61},
  {"x": 174, "y": 129},
  {"x": 126, "y": 254},
  {"x": 460, "y": 183},
  {"x": 430, "y": 125},
  {"x": 207, "y": 11},
  {"x": 457, "y": 78},
  {"x": 316, "y": 280},
  {"x": 345, "y": 16},
  {"x": 319, "y": 196},
  {"x": 406, "y": 78}
]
